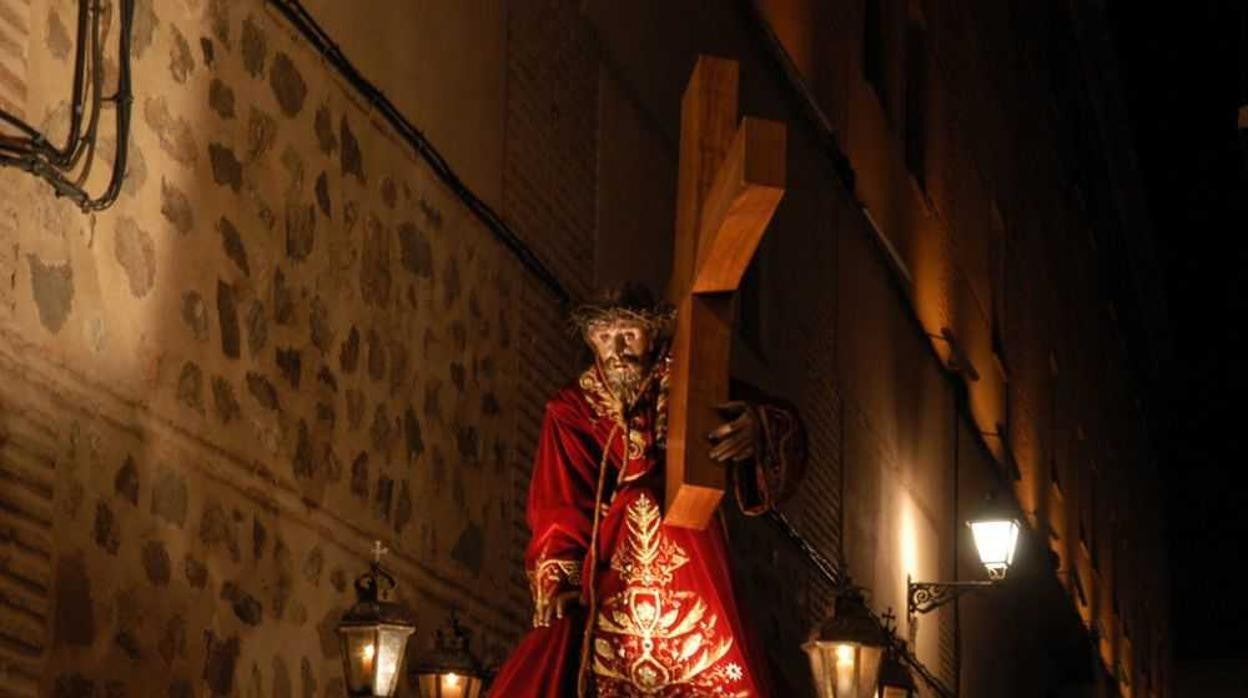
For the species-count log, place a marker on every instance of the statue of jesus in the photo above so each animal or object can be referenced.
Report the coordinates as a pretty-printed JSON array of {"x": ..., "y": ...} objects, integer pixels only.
[{"x": 623, "y": 604}]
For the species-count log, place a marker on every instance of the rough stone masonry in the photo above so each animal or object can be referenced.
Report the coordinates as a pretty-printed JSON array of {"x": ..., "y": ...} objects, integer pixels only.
[{"x": 287, "y": 339}]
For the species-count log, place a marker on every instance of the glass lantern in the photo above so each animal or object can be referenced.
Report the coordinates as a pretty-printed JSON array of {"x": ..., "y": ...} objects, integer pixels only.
[
  {"x": 995, "y": 531},
  {"x": 374, "y": 635},
  {"x": 846, "y": 649},
  {"x": 451, "y": 670}
]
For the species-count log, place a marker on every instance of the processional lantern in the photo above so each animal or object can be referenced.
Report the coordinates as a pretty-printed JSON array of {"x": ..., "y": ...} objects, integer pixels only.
[
  {"x": 846, "y": 649},
  {"x": 374, "y": 634},
  {"x": 451, "y": 670}
]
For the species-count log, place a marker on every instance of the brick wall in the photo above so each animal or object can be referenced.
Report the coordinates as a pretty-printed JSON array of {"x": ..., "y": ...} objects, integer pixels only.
[
  {"x": 548, "y": 194},
  {"x": 1033, "y": 165},
  {"x": 551, "y": 151}
]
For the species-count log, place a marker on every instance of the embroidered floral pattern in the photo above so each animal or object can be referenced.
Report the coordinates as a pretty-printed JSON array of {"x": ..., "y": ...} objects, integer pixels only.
[
  {"x": 607, "y": 406},
  {"x": 599, "y": 397},
  {"x": 653, "y": 639},
  {"x": 645, "y": 427}
]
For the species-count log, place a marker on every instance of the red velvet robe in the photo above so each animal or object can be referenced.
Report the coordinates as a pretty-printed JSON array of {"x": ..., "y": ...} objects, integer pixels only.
[{"x": 665, "y": 620}]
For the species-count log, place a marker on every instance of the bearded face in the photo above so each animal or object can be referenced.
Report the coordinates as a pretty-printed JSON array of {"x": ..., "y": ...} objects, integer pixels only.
[{"x": 623, "y": 350}]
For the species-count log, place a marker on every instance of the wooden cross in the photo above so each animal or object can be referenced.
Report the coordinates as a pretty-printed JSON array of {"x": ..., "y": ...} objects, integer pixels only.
[{"x": 730, "y": 181}]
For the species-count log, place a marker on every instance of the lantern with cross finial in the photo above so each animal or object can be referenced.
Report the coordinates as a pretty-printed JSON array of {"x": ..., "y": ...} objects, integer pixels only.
[
  {"x": 846, "y": 649},
  {"x": 451, "y": 670},
  {"x": 374, "y": 633}
]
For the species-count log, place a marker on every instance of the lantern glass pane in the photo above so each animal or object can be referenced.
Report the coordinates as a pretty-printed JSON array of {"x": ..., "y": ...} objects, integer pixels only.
[
  {"x": 819, "y": 670},
  {"x": 390, "y": 643},
  {"x": 846, "y": 658},
  {"x": 359, "y": 647},
  {"x": 449, "y": 685},
  {"x": 869, "y": 659},
  {"x": 995, "y": 540},
  {"x": 453, "y": 685},
  {"x": 844, "y": 670}
]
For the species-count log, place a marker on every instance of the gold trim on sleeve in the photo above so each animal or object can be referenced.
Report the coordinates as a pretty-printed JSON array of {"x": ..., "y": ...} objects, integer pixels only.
[{"x": 549, "y": 577}]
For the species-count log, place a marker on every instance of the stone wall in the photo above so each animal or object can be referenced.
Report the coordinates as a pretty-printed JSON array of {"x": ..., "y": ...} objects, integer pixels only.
[
  {"x": 14, "y": 37},
  {"x": 286, "y": 340}
]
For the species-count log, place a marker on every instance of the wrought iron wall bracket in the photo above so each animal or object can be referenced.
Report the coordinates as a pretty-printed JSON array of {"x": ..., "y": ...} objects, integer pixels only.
[{"x": 923, "y": 597}]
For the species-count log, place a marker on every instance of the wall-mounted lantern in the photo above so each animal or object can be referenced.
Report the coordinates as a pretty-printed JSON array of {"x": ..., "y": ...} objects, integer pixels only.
[
  {"x": 374, "y": 634},
  {"x": 846, "y": 649},
  {"x": 451, "y": 670},
  {"x": 996, "y": 538},
  {"x": 995, "y": 531}
]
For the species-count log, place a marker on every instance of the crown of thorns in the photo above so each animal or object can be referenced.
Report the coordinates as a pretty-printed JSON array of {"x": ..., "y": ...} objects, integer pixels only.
[{"x": 629, "y": 302}]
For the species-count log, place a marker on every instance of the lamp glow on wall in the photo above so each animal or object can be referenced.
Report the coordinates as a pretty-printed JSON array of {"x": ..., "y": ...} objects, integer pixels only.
[
  {"x": 451, "y": 670},
  {"x": 846, "y": 649},
  {"x": 995, "y": 532},
  {"x": 374, "y": 634}
]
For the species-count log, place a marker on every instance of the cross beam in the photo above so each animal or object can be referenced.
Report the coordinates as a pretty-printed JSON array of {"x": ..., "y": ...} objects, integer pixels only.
[{"x": 731, "y": 179}]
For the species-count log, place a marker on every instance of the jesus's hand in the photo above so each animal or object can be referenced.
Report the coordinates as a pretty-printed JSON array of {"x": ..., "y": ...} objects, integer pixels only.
[
  {"x": 553, "y": 609},
  {"x": 736, "y": 440}
]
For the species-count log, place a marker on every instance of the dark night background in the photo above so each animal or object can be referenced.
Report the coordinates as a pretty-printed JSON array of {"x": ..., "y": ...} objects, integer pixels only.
[{"x": 1184, "y": 67}]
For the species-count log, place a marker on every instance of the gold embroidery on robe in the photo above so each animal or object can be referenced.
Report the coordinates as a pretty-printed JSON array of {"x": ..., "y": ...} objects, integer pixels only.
[
  {"x": 652, "y": 639},
  {"x": 607, "y": 406},
  {"x": 641, "y": 436}
]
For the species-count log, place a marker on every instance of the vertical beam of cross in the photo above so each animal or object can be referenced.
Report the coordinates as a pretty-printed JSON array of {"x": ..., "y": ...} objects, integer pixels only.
[{"x": 731, "y": 178}]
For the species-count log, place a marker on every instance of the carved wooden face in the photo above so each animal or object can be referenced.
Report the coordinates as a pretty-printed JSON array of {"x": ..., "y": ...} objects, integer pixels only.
[{"x": 623, "y": 348}]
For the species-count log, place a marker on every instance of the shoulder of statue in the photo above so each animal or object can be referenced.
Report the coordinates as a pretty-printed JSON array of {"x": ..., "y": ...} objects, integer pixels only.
[
  {"x": 569, "y": 405},
  {"x": 567, "y": 397}
]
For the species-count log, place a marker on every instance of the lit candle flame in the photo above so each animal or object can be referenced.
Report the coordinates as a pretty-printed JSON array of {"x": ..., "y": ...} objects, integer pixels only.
[
  {"x": 846, "y": 670},
  {"x": 453, "y": 685}
]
